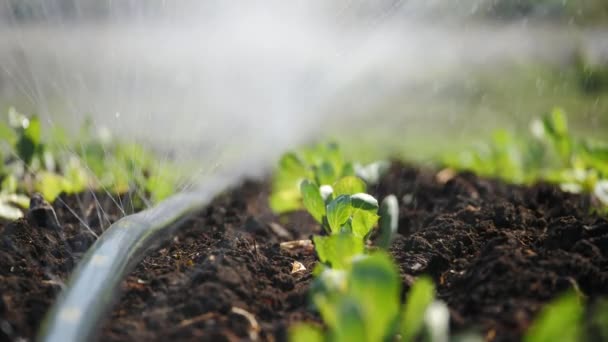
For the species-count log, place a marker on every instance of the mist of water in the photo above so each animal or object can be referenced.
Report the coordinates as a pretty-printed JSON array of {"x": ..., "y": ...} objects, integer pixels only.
[{"x": 230, "y": 86}]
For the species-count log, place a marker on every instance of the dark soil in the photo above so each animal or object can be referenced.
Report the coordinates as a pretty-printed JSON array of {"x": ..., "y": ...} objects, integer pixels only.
[
  {"x": 36, "y": 259},
  {"x": 497, "y": 252}
]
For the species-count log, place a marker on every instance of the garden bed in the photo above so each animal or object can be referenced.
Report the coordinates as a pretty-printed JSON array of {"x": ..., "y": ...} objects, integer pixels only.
[{"x": 497, "y": 253}]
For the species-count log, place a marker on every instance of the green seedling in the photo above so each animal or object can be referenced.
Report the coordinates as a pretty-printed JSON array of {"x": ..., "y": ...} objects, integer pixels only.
[
  {"x": 52, "y": 164},
  {"x": 322, "y": 164},
  {"x": 567, "y": 319},
  {"x": 313, "y": 201},
  {"x": 341, "y": 207},
  {"x": 598, "y": 321},
  {"x": 550, "y": 153},
  {"x": 348, "y": 217},
  {"x": 554, "y": 132},
  {"x": 364, "y": 305},
  {"x": 357, "y": 294},
  {"x": 419, "y": 298},
  {"x": 348, "y": 220},
  {"x": 339, "y": 249},
  {"x": 559, "y": 321}
]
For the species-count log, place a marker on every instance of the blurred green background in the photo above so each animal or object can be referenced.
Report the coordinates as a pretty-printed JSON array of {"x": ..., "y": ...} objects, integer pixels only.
[{"x": 439, "y": 110}]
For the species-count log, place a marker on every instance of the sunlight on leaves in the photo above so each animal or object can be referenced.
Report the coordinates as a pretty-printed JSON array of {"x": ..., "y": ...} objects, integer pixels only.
[
  {"x": 338, "y": 249},
  {"x": 348, "y": 185},
  {"x": 338, "y": 212},
  {"x": 313, "y": 202}
]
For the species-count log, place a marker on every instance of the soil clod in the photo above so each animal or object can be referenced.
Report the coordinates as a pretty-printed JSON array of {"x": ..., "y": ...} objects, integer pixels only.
[{"x": 41, "y": 213}]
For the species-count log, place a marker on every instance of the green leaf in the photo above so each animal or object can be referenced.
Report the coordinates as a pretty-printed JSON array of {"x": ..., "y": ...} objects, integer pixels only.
[
  {"x": 364, "y": 201},
  {"x": 348, "y": 185},
  {"x": 348, "y": 170},
  {"x": 556, "y": 128},
  {"x": 303, "y": 332},
  {"x": 328, "y": 286},
  {"x": 313, "y": 202},
  {"x": 326, "y": 154},
  {"x": 559, "y": 122},
  {"x": 28, "y": 143},
  {"x": 34, "y": 130},
  {"x": 9, "y": 184},
  {"x": 290, "y": 163},
  {"x": 334, "y": 156},
  {"x": 351, "y": 324},
  {"x": 323, "y": 162},
  {"x": 285, "y": 201},
  {"x": 325, "y": 173},
  {"x": 338, "y": 212},
  {"x": 50, "y": 185},
  {"x": 389, "y": 221},
  {"x": 420, "y": 296},
  {"x": 338, "y": 249},
  {"x": 328, "y": 280},
  {"x": 559, "y": 321},
  {"x": 7, "y": 134},
  {"x": 376, "y": 287},
  {"x": 599, "y": 319},
  {"x": 76, "y": 178},
  {"x": 363, "y": 221},
  {"x": 326, "y": 304},
  {"x": 346, "y": 227},
  {"x": 161, "y": 183},
  {"x": 25, "y": 149}
]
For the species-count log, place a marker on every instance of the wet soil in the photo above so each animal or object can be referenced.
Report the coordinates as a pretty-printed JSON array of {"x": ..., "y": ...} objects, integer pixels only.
[{"x": 497, "y": 252}]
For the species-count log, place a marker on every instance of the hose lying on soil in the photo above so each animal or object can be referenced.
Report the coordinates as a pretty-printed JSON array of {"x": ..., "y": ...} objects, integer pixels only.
[{"x": 91, "y": 289}]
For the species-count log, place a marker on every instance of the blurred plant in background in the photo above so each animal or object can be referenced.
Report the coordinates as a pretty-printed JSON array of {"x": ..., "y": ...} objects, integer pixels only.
[
  {"x": 52, "y": 163},
  {"x": 549, "y": 153}
]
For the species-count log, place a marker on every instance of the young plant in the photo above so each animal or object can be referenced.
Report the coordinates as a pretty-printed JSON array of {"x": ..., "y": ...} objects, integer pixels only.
[
  {"x": 52, "y": 164},
  {"x": 559, "y": 321},
  {"x": 363, "y": 304},
  {"x": 346, "y": 213},
  {"x": 323, "y": 164},
  {"x": 551, "y": 153},
  {"x": 357, "y": 294},
  {"x": 567, "y": 319}
]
